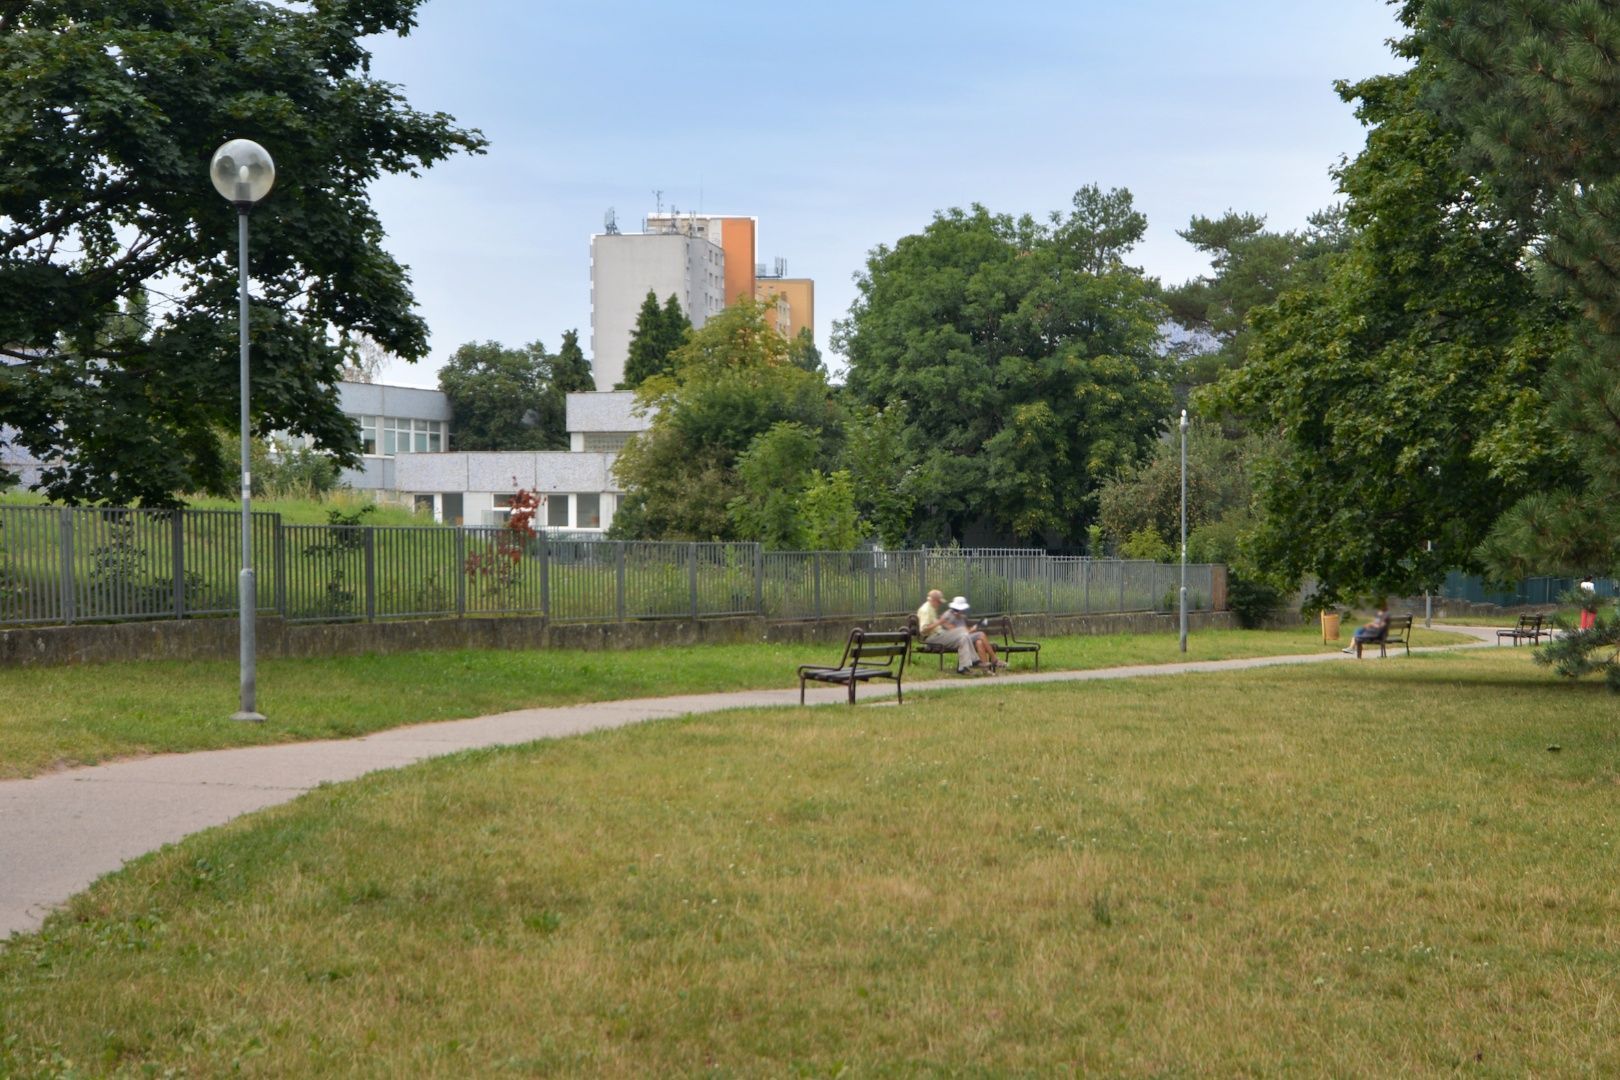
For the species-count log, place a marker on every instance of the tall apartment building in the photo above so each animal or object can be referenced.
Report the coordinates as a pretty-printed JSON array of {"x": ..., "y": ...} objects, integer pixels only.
[
  {"x": 707, "y": 261},
  {"x": 624, "y": 266}
]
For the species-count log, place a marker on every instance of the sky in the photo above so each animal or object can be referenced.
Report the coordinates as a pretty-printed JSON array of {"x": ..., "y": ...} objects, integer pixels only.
[{"x": 842, "y": 125}]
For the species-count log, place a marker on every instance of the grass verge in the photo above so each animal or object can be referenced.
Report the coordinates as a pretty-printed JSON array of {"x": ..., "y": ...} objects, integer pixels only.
[
  {"x": 1336, "y": 870},
  {"x": 53, "y": 717}
]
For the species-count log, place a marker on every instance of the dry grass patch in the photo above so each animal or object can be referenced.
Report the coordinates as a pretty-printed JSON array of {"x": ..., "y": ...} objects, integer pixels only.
[{"x": 1344, "y": 869}]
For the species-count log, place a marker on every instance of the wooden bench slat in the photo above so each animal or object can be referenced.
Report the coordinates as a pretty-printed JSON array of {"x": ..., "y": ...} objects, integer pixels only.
[{"x": 868, "y": 655}]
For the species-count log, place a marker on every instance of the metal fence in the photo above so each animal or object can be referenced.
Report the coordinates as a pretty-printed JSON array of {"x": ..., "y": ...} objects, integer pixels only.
[
  {"x": 1539, "y": 590},
  {"x": 71, "y": 565}
]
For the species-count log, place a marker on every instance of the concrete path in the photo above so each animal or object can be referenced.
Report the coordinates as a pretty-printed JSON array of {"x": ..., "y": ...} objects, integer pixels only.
[{"x": 59, "y": 833}]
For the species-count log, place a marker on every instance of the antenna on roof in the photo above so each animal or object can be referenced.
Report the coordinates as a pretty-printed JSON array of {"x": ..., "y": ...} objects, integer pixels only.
[
  {"x": 658, "y": 194},
  {"x": 610, "y": 222}
]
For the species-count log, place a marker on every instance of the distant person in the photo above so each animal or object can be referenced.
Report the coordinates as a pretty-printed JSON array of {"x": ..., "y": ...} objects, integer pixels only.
[
  {"x": 938, "y": 625},
  {"x": 1589, "y": 604},
  {"x": 1372, "y": 632},
  {"x": 983, "y": 654}
]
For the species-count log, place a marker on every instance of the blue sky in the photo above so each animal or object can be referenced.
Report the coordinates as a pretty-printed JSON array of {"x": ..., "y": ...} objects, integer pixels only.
[{"x": 845, "y": 125}]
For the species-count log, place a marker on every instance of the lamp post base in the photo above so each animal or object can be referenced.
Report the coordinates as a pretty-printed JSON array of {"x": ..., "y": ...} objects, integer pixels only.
[{"x": 248, "y": 717}]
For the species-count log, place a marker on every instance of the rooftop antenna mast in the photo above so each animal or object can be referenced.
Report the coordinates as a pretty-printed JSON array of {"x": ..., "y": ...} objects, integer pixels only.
[
  {"x": 611, "y": 222},
  {"x": 658, "y": 195}
]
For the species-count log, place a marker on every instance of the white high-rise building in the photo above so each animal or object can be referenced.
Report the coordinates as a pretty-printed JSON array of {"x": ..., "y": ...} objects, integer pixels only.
[{"x": 624, "y": 266}]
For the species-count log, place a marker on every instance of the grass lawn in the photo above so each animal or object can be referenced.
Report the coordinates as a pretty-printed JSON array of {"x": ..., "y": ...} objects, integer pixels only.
[
  {"x": 1345, "y": 869},
  {"x": 58, "y": 716}
]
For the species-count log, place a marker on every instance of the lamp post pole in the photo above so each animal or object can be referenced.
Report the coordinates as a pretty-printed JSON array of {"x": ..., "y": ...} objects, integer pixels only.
[
  {"x": 1183, "y": 530},
  {"x": 242, "y": 171}
]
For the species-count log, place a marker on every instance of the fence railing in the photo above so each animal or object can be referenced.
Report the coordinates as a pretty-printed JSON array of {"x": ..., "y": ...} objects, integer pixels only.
[
  {"x": 72, "y": 565},
  {"x": 1537, "y": 590}
]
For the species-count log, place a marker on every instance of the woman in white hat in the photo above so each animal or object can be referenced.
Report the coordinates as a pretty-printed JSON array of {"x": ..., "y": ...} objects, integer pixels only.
[{"x": 976, "y": 652}]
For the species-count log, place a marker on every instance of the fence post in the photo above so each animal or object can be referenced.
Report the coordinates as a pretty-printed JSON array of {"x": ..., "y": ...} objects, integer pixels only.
[
  {"x": 461, "y": 572},
  {"x": 278, "y": 545},
  {"x": 545, "y": 576},
  {"x": 691, "y": 575},
  {"x": 871, "y": 584},
  {"x": 1121, "y": 607},
  {"x": 759, "y": 579},
  {"x": 815, "y": 564},
  {"x": 65, "y": 540},
  {"x": 1049, "y": 567},
  {"x": 370, "y": 548},
  {"x": 619, "y": 584},
  {"x": 1085, "y": 578},
  {"x": 177, "y": 561}
]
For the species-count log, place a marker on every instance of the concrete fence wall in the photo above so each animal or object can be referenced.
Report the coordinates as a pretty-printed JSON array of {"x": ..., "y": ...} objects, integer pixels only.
[{"x": 215, "y": 639}]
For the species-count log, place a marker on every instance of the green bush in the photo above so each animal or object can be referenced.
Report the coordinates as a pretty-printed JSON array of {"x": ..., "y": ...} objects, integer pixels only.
[{"x": 1251, "y": 599}]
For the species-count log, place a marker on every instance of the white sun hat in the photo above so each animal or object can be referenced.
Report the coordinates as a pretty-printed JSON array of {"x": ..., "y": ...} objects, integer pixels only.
[{"x": 959, "y": 604}]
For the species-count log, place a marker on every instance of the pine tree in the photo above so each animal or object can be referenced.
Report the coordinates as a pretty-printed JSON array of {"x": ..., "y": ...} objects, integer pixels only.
[
  {"x": 570, "y": 371},
  {"x": 1531, "y": 87},
  {"x": 658, "y": 333}
]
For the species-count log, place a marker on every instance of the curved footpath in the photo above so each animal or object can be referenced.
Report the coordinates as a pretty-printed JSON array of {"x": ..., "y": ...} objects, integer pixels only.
[{"x": 59, "y": 833}]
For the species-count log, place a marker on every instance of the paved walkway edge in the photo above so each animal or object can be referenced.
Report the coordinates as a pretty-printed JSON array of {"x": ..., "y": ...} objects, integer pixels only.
[{"x": 59, "y": 833}]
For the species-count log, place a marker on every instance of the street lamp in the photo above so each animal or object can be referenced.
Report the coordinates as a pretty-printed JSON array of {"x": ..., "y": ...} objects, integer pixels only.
[
  {"x": 243, "y": 172},
  {"x": 1183, "y": 530}
]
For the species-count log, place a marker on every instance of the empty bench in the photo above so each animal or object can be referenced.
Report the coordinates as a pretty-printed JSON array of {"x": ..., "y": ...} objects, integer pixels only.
[
  {"x": 868, "y": 655},
  {"x": 1397, "y": 632},
  {"x": 1528, "y": 629}
]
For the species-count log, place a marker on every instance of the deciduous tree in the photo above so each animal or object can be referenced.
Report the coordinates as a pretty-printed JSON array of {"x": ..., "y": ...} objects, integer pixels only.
[
  {"x": 1023, "y": 356},
  {"x": 112, "y": 109}
]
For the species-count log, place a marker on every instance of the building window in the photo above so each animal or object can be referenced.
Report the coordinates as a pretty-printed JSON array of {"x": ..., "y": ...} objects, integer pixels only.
[
  {"x": 605, "y": 442},
  {"x": 588, "y": 511},
  {"x": 368, "y": 435},
  {"x": 424, "y": 505},
  {"x": 390, "y": 435},
  {"x": 557, "y": 512}
]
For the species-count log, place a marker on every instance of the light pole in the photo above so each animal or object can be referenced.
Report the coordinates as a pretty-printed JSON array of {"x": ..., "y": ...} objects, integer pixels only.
[
  {"x": 1183, "y": 530},
  {"x": 243, "y": 172}
]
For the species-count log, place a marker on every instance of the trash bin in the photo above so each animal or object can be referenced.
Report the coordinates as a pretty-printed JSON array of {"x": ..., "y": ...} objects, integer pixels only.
[{"x": 1330, "y": 626}]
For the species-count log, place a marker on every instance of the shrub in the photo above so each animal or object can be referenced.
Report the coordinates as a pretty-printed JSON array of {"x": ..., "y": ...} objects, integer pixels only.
[{"x": 1252, "y": 599}]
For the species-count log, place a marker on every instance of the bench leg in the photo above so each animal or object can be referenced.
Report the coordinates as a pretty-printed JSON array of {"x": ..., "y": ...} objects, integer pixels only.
[
  {"x": 1358, "y": 650},
  {"x": 801, "y": 690},
  {"x": 852, "y": 691}
]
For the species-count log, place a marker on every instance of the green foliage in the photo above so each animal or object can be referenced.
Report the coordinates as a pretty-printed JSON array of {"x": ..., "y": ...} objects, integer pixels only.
[
  {"x": 112, "y": 109},
  {"x": 1022, "y": 355},
  {"x": 880, "y": 467},
  {"x": 1146, "y": 543},
  {"x": 1531, "y": 90},
  {"x": 828, "y": 508},
  {"x": 570, "y": 371},
  {"x": 1252, "y": 599},
  {"x": 1148, "y": 493},
  {"x": 1250, "y": 268},
  {"x": 1575, "y": 653},
  {"x": 772, "y": 475},
  {"x": 802, "y": 352},
  {"x": 503, "y": 399},
  {"x": 1401, "y": 385},
  {"x": 658, "y": 334},
  {"x": 732, "y": 383}
]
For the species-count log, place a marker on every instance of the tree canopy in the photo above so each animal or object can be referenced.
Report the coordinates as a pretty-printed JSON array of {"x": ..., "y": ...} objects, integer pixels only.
[
  {"x": 1402, "y": 382},
  {"x": 112, "y": 110},
  {"x": 658, "y": 333},
  {"x": 1530, "y": 88},
  {"x": 732, "y": 383},
  {"x": 1023, "y": 356},
  {"x": 512, "y": 399}
]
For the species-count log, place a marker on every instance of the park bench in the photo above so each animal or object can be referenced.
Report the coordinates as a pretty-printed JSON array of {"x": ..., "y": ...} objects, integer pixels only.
[
  {"x": 868, "y": 655},
  {"x": 1008, "y": 642},
  {"x": 1528, "y": 629},
  {"x": 927, "y": 648},
  {"x": 1398, "y": 631}
]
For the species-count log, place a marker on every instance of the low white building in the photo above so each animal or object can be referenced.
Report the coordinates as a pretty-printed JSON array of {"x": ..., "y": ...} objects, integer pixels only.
[
  {"x": 393, "y": 420},
  {"x": 476, "y": 487}
]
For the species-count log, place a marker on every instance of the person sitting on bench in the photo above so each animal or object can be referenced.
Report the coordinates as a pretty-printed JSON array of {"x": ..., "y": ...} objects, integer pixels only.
[
  {"x": 932, "y": 628},
  {"x": 1373, "y": 632},
  {"x": 982, "y": 654}
]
